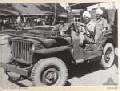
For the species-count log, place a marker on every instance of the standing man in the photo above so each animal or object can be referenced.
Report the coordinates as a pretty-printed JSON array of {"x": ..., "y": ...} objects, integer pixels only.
[
  {"x": 60, "y": 28},
  {"x": 101, "y": 24}
]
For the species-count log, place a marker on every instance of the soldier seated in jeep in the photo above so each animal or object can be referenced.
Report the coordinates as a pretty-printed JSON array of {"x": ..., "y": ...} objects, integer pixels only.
[
  {"x": 86, "y": 30},
  {"x": 62, "y": 28},
  {"x": 59, "y": 27}
]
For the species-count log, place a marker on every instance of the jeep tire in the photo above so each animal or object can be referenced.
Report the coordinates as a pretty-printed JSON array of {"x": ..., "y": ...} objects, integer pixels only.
[
  {"x": 49, "y": 72},
  {"x": 108, "y": 56}
]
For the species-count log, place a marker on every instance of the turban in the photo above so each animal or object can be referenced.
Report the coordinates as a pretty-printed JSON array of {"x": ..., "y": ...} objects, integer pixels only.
[{"x": 99, "y": 11}]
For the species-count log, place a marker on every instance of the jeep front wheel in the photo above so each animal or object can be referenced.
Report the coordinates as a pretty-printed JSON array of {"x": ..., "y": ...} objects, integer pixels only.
[
  {"x": 108, "y": 56},
  {"x": 49, "y": 72}
]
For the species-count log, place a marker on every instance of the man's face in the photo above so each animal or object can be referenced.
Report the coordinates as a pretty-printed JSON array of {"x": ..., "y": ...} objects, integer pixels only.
[
  {"x": 86, "y": 19},
  {"x": 98, "y": 16}
]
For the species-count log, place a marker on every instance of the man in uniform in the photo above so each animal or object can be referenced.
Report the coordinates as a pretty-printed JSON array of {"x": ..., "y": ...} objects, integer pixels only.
[
  {"x": 101, "y": 24},
  {"x": 87, "y": 32},
  {"x": 61, "y": 27}
]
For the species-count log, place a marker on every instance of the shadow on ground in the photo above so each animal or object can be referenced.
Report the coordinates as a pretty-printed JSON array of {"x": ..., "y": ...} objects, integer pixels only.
[
  {"x": 86, "y": 68},
  {"x": 82, "y": 70}
]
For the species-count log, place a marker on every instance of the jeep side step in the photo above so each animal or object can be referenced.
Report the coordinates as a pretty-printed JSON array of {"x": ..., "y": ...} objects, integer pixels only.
[{"x": 91, "y": 55}]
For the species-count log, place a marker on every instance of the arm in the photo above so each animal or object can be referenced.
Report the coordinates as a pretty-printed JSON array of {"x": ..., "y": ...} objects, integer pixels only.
[
  {"x": 105, "y": 25},
  {"x": 56, "y": 28},
  {"x": 106, "y": 28},
  {"x": 90, "y": 29}
]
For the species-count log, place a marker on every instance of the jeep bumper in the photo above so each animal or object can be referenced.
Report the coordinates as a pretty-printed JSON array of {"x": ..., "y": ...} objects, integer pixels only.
[{"x": 13, "y": 68}]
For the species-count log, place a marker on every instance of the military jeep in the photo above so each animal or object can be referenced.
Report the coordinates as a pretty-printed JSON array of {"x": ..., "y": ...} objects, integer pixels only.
[{"x": 46, "y": 57}]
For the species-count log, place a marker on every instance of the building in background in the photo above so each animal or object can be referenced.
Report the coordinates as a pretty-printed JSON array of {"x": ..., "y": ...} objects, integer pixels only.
[
  {"x": 77, "y": 10},
  {"x": 108, "y": 8},
  {"x": 32, "y": 14}
]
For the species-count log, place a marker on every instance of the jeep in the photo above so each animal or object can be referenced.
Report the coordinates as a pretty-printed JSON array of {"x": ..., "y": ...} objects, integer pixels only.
[{"x": 46, "y": 57}]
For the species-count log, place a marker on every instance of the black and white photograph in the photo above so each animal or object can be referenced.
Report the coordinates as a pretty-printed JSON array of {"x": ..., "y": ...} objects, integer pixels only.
[{"x": 58, "y": 44}]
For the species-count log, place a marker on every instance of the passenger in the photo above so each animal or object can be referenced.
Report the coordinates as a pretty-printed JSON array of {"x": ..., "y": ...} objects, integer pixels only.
[
  {"x": 87, "y": 36},
  {"x": 60, "y": 27},
  {"x": 101, "y": 24}
]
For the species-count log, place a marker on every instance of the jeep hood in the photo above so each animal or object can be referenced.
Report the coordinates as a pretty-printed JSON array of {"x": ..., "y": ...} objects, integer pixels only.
[
  {"x": 46, "y": 42},
  {"x": 41, "y": 34}
]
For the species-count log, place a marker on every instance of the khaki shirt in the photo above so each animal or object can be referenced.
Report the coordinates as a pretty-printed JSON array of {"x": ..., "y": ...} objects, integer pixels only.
[
  {"x": 88, "y": 29},
  {"x": 100, "y": 25},
  {"x": 61, "y": 28},
  {"x": 91, "y": 28}
]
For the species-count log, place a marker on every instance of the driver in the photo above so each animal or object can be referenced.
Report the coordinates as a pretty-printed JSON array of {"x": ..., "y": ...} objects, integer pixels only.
[
  {"x": 88, "y": 30},
  {"x": 61, "y": 27}
]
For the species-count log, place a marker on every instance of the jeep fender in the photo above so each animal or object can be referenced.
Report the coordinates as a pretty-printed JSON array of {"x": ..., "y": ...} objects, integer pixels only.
[
  {"x": 62, "y": 52},
  {"x": 52, "y": 50}
]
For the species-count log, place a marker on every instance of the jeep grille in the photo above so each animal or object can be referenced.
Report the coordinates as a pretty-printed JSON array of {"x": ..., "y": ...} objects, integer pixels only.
[{"x": 21, "y": 50}]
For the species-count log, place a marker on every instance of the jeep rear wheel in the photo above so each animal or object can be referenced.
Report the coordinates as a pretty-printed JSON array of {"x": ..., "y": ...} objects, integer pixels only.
[
  {"x": 108, "y": 56},
  {"x": 49, "y": 72}
]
